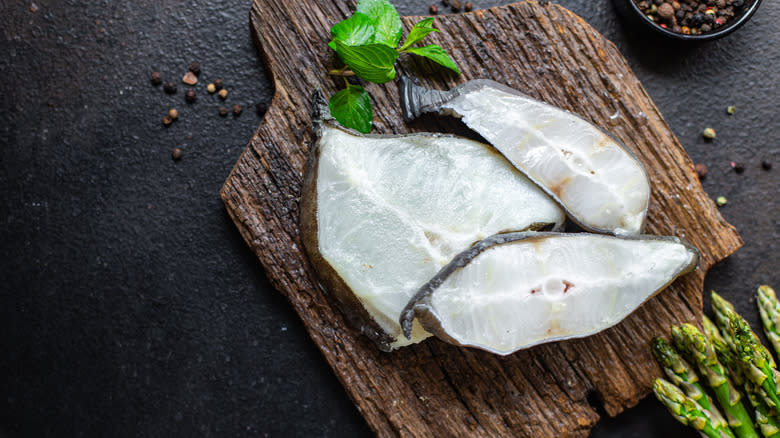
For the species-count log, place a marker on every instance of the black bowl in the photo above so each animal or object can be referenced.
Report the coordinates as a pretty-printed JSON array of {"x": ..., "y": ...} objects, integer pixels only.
[{"x": 631, "y": 11}]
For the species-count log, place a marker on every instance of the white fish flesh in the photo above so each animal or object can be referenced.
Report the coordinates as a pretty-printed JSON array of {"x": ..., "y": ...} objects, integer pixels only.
[
  {"x": 599, "y": 183},
  {"x": 513, "y": 291},
  {"x": 381, "y": 215}
]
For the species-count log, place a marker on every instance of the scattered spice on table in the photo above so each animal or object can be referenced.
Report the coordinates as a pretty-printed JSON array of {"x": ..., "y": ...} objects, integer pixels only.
[
  {"x": 176, "y": 154},
  {"x": 223, "y": 94},
  {"x": 189, "y": 78},
  {"x": 190, "y": 96},
  {"x": 167, "y": 120},
  {"x": 766, "y": 165},
  {"x": 169, "y": 87},
  {"x": 218, "y": 84},
  {"x": 211, "y": 88},
  {"x": 721, "y": 201},
  {"x": 731, "y": 110},
  {"x": 708, "y": 133},
  {"x": 237, "y": 109},
  {"x": 173, "y": 113},
  {"x": 701, "y": 170},
  {"x": 692, "y": 17},
  {"x": 223, "y": 111},
  {"x": 195, "y": 68},
  {"x": 445, "y": 2},
  {"x": 738, "y": 166},
  {"x": 433, "y": 10},
  {"x": 261, "y": 108},
  {"x": 468, "y": 6},
  {"x": 156, "y": 78},
  {"x": 455, "y": 6}
]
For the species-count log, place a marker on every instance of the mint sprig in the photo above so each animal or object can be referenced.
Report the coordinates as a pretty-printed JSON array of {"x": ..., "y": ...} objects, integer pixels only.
[
  {"x": 352, "y": 107},
  {"x": 367, "y": 43}
]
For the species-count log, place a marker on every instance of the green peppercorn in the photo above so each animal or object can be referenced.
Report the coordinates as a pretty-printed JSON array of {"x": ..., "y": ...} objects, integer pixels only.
[
  {"x": 731, "y": 110},
  {"x": 721, "y": 201},
  {"x": 708, "y": 133}
]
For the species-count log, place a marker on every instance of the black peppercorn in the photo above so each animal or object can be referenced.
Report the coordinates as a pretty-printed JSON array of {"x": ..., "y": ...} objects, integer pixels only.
[
  {"x": 468, "y": 6},
  {"x": 195, "y": 68},
  {"x": 697, "y": 19},
  {"x": 261, "y": 108},
  {"x": 433, "y": 10},
  {"x": 237, "y": 109},
  {"x": 169, "y": 87},
  {"x": 218, "y": 84},
  {"x": 190, "y": 96},
  {"x": 455, "y": 6},
  {"x": 739, "y": 166},
  {"x": 176, "y": 154},
  {"x": 766, "y": 165},
  {"x": 156, "y": 78},
  {"x": 445, "y": 2},
  {"x": 223, "y": 111}
]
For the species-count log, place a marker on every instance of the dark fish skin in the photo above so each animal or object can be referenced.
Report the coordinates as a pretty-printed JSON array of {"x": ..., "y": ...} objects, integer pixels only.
[{"x": 413, "y": 308}]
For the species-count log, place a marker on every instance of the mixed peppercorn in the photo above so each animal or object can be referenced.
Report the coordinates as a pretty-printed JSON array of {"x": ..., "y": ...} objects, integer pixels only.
[
  {"x": 692, "y": 17},
  {"x": 190, "y": 79}
]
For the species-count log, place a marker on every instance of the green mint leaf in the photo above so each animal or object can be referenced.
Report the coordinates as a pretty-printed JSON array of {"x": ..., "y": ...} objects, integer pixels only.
[
  {"x": 355, "y": 30},
  {"x": 387, "y": 22},
  {"x": 352, "y": 108},
  {"x": 436, "y": 54},
  {"x": 418, "y": 32},
  {"x": 372, "y": 62}
]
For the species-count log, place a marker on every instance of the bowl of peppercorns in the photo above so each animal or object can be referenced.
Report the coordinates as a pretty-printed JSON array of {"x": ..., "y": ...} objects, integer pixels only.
[{"x": 692, "y": 20}]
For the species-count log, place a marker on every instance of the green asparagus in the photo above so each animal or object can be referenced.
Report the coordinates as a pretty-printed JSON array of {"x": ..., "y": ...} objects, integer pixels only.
[
  {"x": 723, "y": 309},
  {"x": 767, "y": 418},
  {"x": 769, "y": 309},
  {"x": 725, "y": 354},
  {"x": 687, "y": 411},
  {"x": 756, "y": 361},
  {"x": 697, "y": 349},
  {"x": 682, "y": 375}
]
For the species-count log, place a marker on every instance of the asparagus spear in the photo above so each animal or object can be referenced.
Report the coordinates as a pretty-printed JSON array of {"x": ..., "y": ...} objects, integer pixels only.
[
  {"x": 769, "y": 309},
  {"x": 687, "y": 411},
  {"x": 697, "y": 349},
  {"x": 756, "y": 362},
  {"x": 723, "y": 309},
  {"x": 682, "y": 375},
  {"x": 767, "y": 419},
  {"x": 725, "y": 354}
]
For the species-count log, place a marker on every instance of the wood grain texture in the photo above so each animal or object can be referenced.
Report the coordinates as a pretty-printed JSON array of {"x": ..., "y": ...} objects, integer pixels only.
[{"x": 435, "y": 389}]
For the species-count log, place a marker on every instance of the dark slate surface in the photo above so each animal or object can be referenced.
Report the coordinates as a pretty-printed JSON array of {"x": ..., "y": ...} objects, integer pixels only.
[{"x": 130, "y": 305}]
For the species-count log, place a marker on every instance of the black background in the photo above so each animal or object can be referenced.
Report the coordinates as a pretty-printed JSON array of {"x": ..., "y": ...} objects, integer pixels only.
[{"x": 130, "y": 306}]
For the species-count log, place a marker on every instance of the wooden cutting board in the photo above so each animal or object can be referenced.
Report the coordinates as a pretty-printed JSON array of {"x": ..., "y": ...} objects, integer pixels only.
[{"x": 434, "y": 389}]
